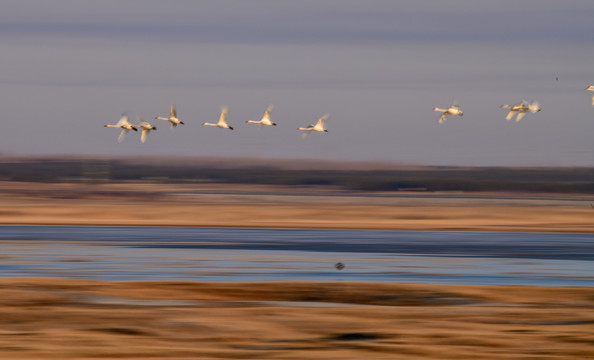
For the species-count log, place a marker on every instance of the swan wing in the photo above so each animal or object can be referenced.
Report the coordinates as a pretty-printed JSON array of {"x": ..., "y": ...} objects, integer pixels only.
[
  {"x": 172, "y": 112},
  {"x": 122, "y": 134},
  {"x": 305, "y": 133},
  {"x": 144, "y": 134},
  {"x": 321, "y": 122},
  {"x": 266, "y": 117},
  {"x": 521, "y": 115},
  {"x": 123, "y": 120},
  {"x": 223, "y": 117}
]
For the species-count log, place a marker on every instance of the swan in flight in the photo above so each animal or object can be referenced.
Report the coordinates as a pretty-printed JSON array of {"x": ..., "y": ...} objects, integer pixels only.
[
  {"x": 319, "y": 126},
  {"x": 452, "y": 110},
  {"x": 265, "y": 119},
  {"x": 521, "y": 109},
  {"x": 125, "y": 125},
  {"x": 173, "y": 119},
  {"x": 146, "y": 128},
  {"x": 222, "y": 120},
  {"x": 591, "y": 88}
]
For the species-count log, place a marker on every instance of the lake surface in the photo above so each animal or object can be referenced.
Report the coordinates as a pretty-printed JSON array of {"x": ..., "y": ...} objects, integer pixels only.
[{"x": 239, "y": 254}]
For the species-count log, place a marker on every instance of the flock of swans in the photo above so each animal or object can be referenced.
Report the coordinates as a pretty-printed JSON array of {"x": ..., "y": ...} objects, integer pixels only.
[
  {"x": 519, "y": 110},
  {"x": 126, "y": 125}
]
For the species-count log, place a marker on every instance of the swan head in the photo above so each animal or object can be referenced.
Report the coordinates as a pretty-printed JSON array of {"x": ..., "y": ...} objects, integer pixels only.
[
  {"x": 134, "y": 128},
  {"x": 230, "y": 128},
  {"x": 181, "y": 122}
]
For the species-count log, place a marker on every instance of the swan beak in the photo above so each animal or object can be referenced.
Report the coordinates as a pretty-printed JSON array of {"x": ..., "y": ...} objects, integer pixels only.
[
  {"x": 230, "y": 128},
  {"x": 181, "y": 122},
  {"x": 134, "y": 129}
]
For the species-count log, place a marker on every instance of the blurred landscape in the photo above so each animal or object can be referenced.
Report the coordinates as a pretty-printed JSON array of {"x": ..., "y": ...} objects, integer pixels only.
[{"x": 50, "y": 318}]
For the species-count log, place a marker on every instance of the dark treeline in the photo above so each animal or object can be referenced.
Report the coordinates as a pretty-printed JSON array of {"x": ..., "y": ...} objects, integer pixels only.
[{"x": 562, "y": 180}]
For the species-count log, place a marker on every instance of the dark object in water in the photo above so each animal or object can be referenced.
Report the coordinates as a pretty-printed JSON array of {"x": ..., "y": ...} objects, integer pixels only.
[{"x": 339, "y": 266}]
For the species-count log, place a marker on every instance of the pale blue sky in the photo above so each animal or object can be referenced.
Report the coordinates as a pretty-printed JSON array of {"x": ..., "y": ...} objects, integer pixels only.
[{"x": 378, "y": 68}]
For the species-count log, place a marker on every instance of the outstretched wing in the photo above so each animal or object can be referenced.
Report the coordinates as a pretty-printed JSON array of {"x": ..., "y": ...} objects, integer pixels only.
[
  {"x": 510, "y": 115},
  {"x": 305, "y": 133},
  {"x": 172, "y": 112},
  {"x": 123, "y": 120},
  {"x": 122, "y": 134},
  {"x": 266, "y": 117},
  {"x": 223, "y": 117},
  {"x": 322, "y": 122},
  {"x": 443, "y": 117},
  {"x": 144, "y": 134},
  {"x": 521, "y": 115}
]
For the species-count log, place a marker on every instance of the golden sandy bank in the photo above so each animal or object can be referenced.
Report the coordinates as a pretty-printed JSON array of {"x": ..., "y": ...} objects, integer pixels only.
[
  {"x": 213, "y": 205},
  {"x": 72, "y": 319}
]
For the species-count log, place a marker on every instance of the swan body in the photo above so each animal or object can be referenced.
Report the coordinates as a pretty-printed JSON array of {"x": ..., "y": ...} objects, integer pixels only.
[
  {"x": 173, "y": 119},
  {"x": 265, "y": 119},
  {"x": 591, "y": 88},
  {"x": 319, "y": 126},
  {"x": 521, "y": 109},
  {"x": 125, "y": 125},
  {"x": 222, "y": 120},
  {"x": 146, "y": 128},
  {"x": 452, "y": 110}
]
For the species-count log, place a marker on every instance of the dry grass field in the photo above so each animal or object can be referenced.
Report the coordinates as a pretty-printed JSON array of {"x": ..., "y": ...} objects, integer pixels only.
[
  {"x": 211, "y": 205},
  {"x": 73, "y": 319}
]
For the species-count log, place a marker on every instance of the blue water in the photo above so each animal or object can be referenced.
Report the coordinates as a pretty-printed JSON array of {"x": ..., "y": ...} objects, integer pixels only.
[{"x": 238, "y": 254}]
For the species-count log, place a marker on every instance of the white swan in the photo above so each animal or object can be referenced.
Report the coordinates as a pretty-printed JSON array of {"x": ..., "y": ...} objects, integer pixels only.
[
  {"x": 319, "y": 126},
  {"x": 125, "y": 125},
  {"x": 591, "y": 88},
  {"x": 222, "y": 120},
  {"x": 265, "y": 119},
  {"x": 521, "y": 109},
  {"x": 146, "y": 128},
  {"x": 452, "y": 110},
  {"x": 173, "y": 119}
]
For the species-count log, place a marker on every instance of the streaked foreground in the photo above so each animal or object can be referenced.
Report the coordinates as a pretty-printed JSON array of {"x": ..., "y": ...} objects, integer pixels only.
[{"x": 77, "y": 319}]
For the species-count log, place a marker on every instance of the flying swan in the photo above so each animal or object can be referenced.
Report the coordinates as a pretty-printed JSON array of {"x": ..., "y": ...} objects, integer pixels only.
[
  {"x": 173, "y": 119},
  {"x": 521, "y": 109},
  {"x": 265, "y": 119},
  {"x": 124, "y": 124},
  {"x": 319, "y": 126},
  {"x": 222, "y": 120},
  {"x": 452, "y": 110}
]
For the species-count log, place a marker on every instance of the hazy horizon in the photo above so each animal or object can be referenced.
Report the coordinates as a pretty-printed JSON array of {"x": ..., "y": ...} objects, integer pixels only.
[{"x": 378, "y": 67}]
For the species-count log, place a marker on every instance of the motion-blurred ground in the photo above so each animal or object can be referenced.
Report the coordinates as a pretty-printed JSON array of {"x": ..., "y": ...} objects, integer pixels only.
[
  {"x": 70, "y": 319},
  {"x": 240, "y": 205}
]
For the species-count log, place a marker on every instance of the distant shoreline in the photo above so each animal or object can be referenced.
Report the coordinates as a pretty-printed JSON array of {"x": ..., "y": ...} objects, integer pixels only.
[{"x": 260, "y": 206}]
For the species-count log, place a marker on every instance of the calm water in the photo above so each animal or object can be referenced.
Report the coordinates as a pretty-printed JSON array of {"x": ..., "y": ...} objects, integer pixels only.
[{"x": 222, "y": 254}]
